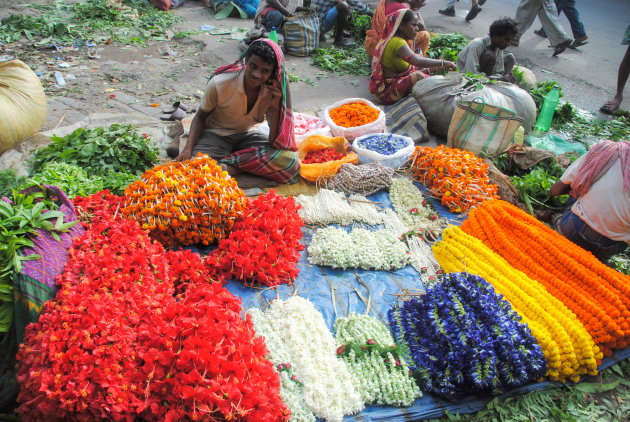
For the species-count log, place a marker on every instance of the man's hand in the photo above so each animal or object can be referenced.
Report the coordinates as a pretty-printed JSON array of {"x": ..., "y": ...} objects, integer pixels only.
[
  {"x": 184, "y": 155},
  {"x": 271, "y": 95}
]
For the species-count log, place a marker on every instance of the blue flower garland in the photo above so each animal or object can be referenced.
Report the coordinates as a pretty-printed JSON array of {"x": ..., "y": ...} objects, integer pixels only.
[{"x": 462, "y": 337}]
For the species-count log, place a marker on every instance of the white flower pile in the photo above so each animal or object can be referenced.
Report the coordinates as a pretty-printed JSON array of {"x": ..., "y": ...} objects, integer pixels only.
[
  {"x": 328, "y": 389},
  {"x": 291, "y": 387},
  {"x": 330, "y": 207},
  {"x": 421, "y": 256},
  {"x": 361, "y": 248},
  {"x": 412, "y": 206},
  {"x": 381, "y": 376}
]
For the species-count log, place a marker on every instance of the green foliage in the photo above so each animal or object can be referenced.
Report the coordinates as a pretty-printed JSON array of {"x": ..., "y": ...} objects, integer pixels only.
[
  {"x": 9, "y": 180},
  {"x": 533, "y": 188},
  {"x": 541, "y": 89},
  {"x": 476, "y": 79},
  {"x": 100, "y": 151},
  {"x": 519, "y": 75},
  {"x": 343, "y": 61},
  {"x": 77, "y": 182},
  {"x": 359, "y": 25},
  {"x": 605, "y": 399},
  {"x": 133, "y": 22},
  {"x": 621, "y": 262},
  {"x": 566, "y": 119},
  {"x": 447, "y": 46},
  {"x": 533, "y": 184},
  {"x": 19, "y": 221}
]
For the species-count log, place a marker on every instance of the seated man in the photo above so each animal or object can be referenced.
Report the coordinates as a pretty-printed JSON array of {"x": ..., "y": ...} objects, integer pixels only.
[
  {"x": 272, "y": 13},
  {"x": 485, "y": 55},
  {"x": 335, "y": 13},
  {"x": 237, "y": 98},
  {"x": 597, "y": 218}
]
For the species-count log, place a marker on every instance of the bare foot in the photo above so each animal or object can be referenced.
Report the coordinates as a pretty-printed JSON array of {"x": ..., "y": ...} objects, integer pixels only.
[{"x": 208, "y": 3}]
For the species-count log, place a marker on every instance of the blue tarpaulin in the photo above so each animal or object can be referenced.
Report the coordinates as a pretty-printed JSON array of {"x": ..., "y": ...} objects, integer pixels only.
[{"x": 333, "y": 294}]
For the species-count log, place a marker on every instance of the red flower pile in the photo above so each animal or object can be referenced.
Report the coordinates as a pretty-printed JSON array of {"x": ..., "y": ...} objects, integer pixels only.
[
  {"x": 322, "y": 156},
  {"x": 98, "y": 207},
  {"x": 264, "y": 244},
  {"x": 117, "y": 345}
]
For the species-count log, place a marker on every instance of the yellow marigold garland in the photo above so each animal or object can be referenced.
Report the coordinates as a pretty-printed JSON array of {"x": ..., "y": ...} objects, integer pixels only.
[
  {"x": 568, "y": 347},
  {"x": 597, "y": 295},
  {"x": 185, "y": 203}
]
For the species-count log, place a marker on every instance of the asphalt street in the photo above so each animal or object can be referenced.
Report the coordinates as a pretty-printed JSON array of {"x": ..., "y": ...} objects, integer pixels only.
[{"x": 588, "y": 74}]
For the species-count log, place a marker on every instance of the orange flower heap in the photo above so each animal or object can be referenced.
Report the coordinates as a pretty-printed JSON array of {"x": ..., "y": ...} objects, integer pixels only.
[
  {"x": 456, "y": 176},
  {"x": 184, "y": 203},
  {"x": 596, "y": 294},
  {"x": 353, "y": 114}
]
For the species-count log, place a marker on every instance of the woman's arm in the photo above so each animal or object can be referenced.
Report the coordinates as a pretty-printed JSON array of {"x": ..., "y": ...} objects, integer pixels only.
[{"x": 412, "y": 58}]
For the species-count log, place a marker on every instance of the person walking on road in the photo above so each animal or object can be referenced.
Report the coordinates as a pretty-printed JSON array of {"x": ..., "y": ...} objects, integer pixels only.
[
  {"x": 545, "y": 10},
  {"x": 622, "y": 77},
  {"x": 472, "y": 13},
  {"x": 577, "y": 27}
]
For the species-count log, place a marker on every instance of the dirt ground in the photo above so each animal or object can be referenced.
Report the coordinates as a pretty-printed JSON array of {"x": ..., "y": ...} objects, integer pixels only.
[{"x": 126, "y": 80}]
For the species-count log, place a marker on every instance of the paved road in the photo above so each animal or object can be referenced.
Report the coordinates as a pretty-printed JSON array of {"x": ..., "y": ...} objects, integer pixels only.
[{"x": 589, "y": 74}]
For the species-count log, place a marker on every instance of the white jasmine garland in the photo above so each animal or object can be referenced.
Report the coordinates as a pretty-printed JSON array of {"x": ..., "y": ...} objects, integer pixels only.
[
  {"x": 328, "y": 388},
  {"x": 381, "y": 376},
  {"x": 421, "y": 256},
  {"x": 291, "y": 387},
  {"x": 412, "y": 207},
  {"x": 369, "y": 250},
  {"x": 330, "y": 207}
]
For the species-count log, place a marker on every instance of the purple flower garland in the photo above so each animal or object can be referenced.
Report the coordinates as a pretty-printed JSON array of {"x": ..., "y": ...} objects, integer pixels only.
[{"x": 462, "y": 337}]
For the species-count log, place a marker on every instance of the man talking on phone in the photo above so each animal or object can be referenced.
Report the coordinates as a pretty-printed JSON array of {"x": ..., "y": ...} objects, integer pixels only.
[{"x": 239, "y": 97}]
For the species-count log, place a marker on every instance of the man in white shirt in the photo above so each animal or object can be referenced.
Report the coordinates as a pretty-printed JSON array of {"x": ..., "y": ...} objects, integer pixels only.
[{"x": 598, "y": 219}]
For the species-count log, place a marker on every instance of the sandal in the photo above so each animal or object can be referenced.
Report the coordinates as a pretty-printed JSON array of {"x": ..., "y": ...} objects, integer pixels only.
[
  {"x": 344, "y": 43},
  {"x": 178, "y": 114},
  {"x": 179, "y": 104},
  {"x": 610, "y": 107},
  {"x": 561, "y": 47},
  {"x": 578, "y": 42}
]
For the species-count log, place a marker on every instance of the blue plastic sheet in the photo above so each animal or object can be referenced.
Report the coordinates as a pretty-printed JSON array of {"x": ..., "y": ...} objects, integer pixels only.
[{"x": 334, "y": 294}]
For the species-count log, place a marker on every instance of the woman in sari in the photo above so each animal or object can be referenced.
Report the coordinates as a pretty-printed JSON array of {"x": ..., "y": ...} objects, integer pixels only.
[
  {"x": 397, "y": 66},
  {"x": 237, "y": 98},
  {"x": 379, "y": 21}
]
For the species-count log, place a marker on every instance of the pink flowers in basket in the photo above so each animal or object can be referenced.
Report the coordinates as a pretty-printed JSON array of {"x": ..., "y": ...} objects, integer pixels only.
[{"x": 305, "y": 123}]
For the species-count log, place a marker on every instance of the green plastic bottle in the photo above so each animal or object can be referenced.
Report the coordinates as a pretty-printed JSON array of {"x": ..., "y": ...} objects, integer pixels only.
[
  {"x": 273, "y": 35},
  {"x": 548, "y": 108}
]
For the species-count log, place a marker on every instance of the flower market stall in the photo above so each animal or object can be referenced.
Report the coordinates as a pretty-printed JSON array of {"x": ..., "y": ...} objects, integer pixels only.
[{"x": 382, "y": 297}]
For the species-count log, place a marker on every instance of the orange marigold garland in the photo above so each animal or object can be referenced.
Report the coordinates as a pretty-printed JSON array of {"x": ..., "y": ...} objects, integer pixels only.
[
  {"x": 587, "y": 287},
  {"x": 353, "y": 114},
  {"x": 568, "y": 347},
  {"x": 456, "y": 176},
  {"x": 185, "y": 203}
]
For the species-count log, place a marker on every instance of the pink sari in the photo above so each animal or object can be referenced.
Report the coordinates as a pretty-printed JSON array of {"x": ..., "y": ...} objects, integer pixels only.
[
  {"x": 391, "y": 89},
  {"x": 278, "y": 161}
]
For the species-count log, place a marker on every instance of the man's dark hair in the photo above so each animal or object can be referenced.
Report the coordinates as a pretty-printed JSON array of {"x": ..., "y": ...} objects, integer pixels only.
[
  {"x": 503, "y": 26},
  {"x": 408, "y": 16},
  {"x": 264, "y": 51}
]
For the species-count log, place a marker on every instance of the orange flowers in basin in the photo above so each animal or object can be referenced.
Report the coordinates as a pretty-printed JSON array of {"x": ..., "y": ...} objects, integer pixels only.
[
  {"x": 184, "y": 203},
  {"x": 353, "y": 114}
]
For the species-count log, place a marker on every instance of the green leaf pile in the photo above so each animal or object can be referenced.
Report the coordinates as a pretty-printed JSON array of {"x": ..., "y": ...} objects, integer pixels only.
[
  {"x": 9, "y": 180},
  {"x": 447, "y": 46},
  {"x": 19, "y": 221},
  {"x": 100, "y": 151},
  {"x": 129, "y": 22},
  {"x": 343, "y": 61}
]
